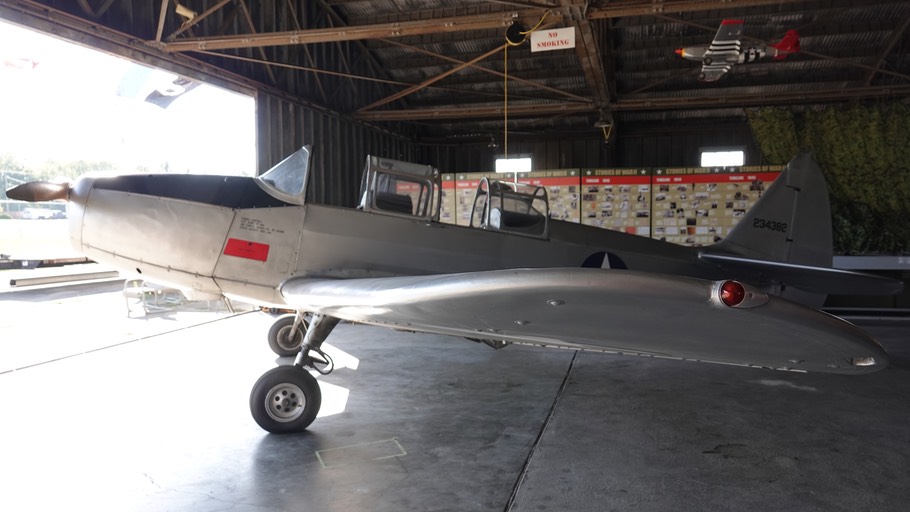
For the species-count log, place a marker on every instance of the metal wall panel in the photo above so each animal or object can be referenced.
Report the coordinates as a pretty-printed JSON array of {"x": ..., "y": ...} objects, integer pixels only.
[{"x": 340, "y": 146}]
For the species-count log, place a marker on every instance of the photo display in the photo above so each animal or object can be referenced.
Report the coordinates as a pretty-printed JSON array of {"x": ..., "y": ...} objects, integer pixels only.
[
  {"x": 447, "y": 212},
  {"x": 699, "y": 205},
  {"x": 617, "y": 199},
  {"x": 465, "y": 188},
  {"x": 562, "y": 188}
]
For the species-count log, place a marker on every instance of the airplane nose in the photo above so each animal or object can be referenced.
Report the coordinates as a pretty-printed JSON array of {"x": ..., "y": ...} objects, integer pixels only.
[
  {"x": 35, "y": 191},
  {"x": 679, "y": 51}
]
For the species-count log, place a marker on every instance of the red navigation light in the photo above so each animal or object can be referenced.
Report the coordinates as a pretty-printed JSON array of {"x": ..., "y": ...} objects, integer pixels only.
[{"x": 732, "y": 293}]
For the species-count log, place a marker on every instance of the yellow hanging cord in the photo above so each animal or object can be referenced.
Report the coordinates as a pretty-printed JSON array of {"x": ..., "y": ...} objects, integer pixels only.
[
  {"x": 505, "y": 101},
  {"x": 538, "y": 24},
  {"x": 505, "y": 85}
]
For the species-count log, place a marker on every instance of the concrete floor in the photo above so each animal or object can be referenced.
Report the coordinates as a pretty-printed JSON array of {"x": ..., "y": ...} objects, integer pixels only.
[{"x": 160, "y": 421}]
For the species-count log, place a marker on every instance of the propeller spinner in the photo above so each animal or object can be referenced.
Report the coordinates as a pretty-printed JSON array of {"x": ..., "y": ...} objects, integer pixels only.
[{"x": 35, "y": 191}]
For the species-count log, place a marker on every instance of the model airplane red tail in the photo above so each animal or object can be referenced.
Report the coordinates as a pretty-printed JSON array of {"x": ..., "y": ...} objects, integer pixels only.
[{"x": 789, "y": 44}]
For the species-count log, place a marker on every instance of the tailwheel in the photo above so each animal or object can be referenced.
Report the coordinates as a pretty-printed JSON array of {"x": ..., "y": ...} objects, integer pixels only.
[
  {"x": 285, "y": 339},
  {"x": 285, "y": 400}
]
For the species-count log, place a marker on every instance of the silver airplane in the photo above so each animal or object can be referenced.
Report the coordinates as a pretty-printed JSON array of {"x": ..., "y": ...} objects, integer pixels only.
[
  {"x": 726, "y": 50},
  {"x": 512, "y": 276}
]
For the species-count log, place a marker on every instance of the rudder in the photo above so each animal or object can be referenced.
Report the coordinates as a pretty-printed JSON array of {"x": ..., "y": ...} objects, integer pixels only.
[
  {"x": 791, "y": 222},
  {"x": 789, "y": 44}
]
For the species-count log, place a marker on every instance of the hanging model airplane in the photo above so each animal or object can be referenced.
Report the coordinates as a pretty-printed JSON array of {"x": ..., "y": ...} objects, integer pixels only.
[
  {"x": 726, "y": 50},
  {"x": 513, "y": 276}
]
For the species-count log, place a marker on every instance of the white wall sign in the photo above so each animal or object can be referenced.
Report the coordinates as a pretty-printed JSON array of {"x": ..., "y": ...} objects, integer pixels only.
[{"x": 553, "y": 39}]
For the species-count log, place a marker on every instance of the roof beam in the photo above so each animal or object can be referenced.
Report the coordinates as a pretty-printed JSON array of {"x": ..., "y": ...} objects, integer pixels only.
[
  {"x": 736, "y": 101},
  {"x": 430, "y": 81},
  {"x": 468, "y": 112},
  {"x": 895, "y": 38},
  {"x": 762, "y": 99},
  {"x": 588, "y": 53},
  {"x": 347, "y": 33},
  {"x": 649, "y": 7}
]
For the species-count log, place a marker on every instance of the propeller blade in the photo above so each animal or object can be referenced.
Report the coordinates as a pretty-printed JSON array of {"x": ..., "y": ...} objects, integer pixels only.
[{"x": 39, "y": 191}]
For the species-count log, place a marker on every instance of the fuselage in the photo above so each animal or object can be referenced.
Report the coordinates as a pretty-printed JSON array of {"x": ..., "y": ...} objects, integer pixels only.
[{"x": 222, "y": 235}]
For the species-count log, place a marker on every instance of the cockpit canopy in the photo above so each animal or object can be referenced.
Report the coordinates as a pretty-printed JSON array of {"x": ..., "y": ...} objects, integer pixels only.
[
  {"x": 513, "y": 207},
  {"x": 401, "y": 189},
  {"x": 287, "y": 181}
]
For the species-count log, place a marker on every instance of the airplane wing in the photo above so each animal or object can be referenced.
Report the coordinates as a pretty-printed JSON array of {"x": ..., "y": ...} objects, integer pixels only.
[
  {"x": 809, "y": 278},
  {"x": 723, "y": 52},
  {"x": 617, "y": 311}
]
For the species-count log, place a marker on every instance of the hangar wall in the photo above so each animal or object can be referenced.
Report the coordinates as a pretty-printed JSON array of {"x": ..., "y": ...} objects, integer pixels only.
[
  {"x": 340, "y": 145},
  {"x": 632, "y": 145}
]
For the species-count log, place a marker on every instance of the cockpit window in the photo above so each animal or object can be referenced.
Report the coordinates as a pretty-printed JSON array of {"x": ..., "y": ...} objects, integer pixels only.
[
  {"x": 513, "y": 207},
  {"x": 288, "y": 180}
]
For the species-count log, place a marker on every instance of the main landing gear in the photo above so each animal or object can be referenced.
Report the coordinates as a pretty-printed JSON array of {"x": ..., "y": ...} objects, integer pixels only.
[
  {"x": 286, "y": 399},
  {"x": 287, "y": 333}
]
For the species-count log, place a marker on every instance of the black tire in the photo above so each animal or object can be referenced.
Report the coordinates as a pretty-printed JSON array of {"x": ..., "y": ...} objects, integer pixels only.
[
  {"x": 285, "y": 400},
  {"x": 281, "y": 341}
]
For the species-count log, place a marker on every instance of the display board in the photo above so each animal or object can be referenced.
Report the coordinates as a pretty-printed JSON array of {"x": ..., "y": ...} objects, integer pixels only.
[
  {"x": 618, "y": 199},
  {"x": 465, "y": 187},
  {"x": 447, "y": 211},
  {"x": 699, "y": 205},
  {"x": 562, "y": 190}
]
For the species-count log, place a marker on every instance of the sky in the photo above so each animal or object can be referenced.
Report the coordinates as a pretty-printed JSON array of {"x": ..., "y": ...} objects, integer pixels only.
[{"x": 64, "y": 102}]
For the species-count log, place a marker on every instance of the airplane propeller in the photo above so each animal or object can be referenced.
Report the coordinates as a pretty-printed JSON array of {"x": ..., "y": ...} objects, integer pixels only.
[{"x": 35, "y": 191}]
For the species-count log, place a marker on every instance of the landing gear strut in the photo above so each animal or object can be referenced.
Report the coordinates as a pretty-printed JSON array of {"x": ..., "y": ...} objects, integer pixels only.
[{"x": 286, "y": 399}]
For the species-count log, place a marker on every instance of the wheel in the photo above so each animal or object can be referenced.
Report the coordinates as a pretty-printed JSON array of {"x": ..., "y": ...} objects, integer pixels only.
[
  {"x": 708, "y": 61},
  {"x": 282, "y": 341},
  {"x": 285, "y": 400}
]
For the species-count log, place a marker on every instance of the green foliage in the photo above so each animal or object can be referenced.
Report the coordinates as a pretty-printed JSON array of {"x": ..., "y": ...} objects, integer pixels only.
[
  {"x": 51, "y": 170},
  {"x": 864, "y": 152},
  {"x": 775, "y": 132}
]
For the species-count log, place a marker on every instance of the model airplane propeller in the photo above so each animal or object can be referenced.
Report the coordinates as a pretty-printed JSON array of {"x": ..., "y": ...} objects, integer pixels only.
[
  {"x": 513, "y": 276},
  {"x": 726, "y": 50}
]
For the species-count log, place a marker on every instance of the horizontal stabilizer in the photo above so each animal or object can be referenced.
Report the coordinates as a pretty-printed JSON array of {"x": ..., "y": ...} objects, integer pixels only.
[{"x": 810, "y": 278}]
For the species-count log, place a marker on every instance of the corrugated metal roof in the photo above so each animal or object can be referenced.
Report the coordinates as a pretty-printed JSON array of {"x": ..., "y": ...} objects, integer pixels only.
[{"x": 624, "y": 60}]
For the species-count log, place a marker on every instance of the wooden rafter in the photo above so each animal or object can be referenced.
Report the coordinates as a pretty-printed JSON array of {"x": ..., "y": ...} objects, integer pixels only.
[
  {"x": 162, "y": 15},
  {"x": 186, "y": 25},
  {"x": 484, "y": 69},
  {"x": 425, "y": 83},
  {"x": 624, "y": 9},
  {"x": 543, "y": 109},
  {"x": 895, "y": 38},
  {"x": 588, "y": 53},
  {"x": 252, "y": 26},
  {"x": 346, "y": 33}
]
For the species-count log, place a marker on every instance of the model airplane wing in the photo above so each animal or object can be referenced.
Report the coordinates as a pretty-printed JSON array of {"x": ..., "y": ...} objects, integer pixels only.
[
  {"x": 723, "y": 52},
  {"x": 615, "y": 311},
  {"x": 809, "y": 278}
]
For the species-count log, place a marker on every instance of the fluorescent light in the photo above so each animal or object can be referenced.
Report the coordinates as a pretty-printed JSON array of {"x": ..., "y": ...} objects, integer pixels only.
[
  {"x": 513, "y": 165},
  {"x": 722, "y": 158}
]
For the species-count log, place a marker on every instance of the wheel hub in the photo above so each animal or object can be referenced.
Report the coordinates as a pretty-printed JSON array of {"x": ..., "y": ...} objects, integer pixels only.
[
  {"x": 289, "y": 338},
  {"x": 285, "y": 402}
]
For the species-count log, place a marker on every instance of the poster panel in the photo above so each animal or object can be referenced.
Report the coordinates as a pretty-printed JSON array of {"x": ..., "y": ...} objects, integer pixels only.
[
  {"x": 562, "y": 190},
  {"x": 617, "y": 199},
  {"x": 697, "y": 206},
  {"x": 465, "y": 188},
  {"x": 447, "y": 213}
]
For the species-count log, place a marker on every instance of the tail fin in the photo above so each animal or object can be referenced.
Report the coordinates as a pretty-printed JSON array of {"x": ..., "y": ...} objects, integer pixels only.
[
  {"x": 791, "y": 222},
  {"x": 783, "y": 244},
  {"x": 789, "y": 44}
]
